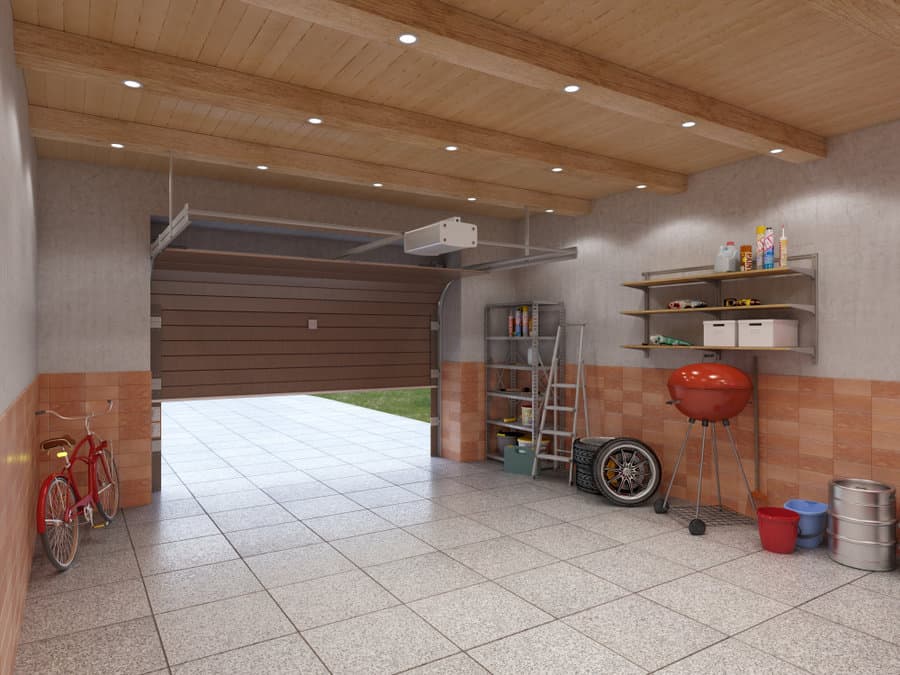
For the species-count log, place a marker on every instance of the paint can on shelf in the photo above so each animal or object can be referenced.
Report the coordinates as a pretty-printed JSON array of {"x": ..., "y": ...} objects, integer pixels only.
[{"x": 526, "y": 414}]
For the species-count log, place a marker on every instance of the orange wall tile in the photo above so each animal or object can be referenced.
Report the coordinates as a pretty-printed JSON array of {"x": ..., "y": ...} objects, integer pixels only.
[{"x": 19, "y": 480}]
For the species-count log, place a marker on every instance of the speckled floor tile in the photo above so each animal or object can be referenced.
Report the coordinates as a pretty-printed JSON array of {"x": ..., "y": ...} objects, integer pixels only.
[
  {"x": 343, "y": 525},
  {"x": 85, "y": 572},
  {"x": 452, "y": 532},
  {"x": 498, "y": 557},
  {"x": 385, "y": 642},
  {"x": 179, "y": 555},
  {"x": 566, "y": 540},
  {"x": 861, "y": 609},
  {"x": 686, "y": 549},
  {"x": 414, "y": 512},
  {"x": 297, "y": 491},
  {"x": 221, "y": 487},
  {"x": 477, "y": 502},
  {"x": 281, "y": 568},
  {"x": 51, "y": 615},
  {"x": 272, "y": 538},
  {"x": 234, "y": 500},
  {"x": 624, "y": 527},
  {"x": 460, "y": 664},
  {"x": 266, "y": 469},
  {"x": 356, "y": 483},
  {"x": 162, "y": 510},
  {"x": 191, "y": 478},
  {"x": 645, "y": 633},
  {"x": 423, "y": 576},
  {"x": 383, "y": 496},
  {"x": 552, "y": 648},
  {"x": 886, "y": 583},
  {"x": 341, "y": 596},
  {"x": 731, "y": 657},
  {"x": 792, "y": 579},
  {"x": 573, "y": 507},
  {"x": 204, "y": 630},
  {"x": 438, "y": 487},
  {"x": 164, "y": 531},
  {"x": 561, "y": 589},
  {"x": 282, "y": 656},
  {"x": 478, "y": 614},
  {"x": 194, "y": 586},
  {"x": 284, "y": 478},
  {"x": 381, "y": 547},
  {"x": 720, "y": 605},
  {"x": 335, "y": 472},
  {"x": 514, "y": 519},
  {"x": 129, "y": 648},
  {"x": 823, "y": 647},
  {"x": 403, "y": 476},
  {"x": 321, "y": 506},
  {"x": 743, "y": 537},
  {"x": 255, "y": 516}
]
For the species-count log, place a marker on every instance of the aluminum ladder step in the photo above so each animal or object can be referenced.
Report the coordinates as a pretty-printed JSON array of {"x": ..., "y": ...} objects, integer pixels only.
[
  {"x": 563, "y": 385},
  {"x": 555, "y": 458},
  {"x": 556, "y": 432},
  {"x": 561, "y": 408}
]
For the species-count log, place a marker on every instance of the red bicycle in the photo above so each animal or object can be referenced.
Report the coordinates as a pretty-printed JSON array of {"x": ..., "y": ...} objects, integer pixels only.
[{"x": 59, "y": 501}]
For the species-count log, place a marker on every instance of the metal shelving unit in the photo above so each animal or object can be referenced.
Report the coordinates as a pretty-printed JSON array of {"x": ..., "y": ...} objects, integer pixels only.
[
  {"x": 803, "y": 266},
  {"x": 510, "y": 378}
]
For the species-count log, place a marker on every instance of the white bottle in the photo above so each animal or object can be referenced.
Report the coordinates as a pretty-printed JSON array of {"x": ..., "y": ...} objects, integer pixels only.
[{"x": 728, "y": 258}]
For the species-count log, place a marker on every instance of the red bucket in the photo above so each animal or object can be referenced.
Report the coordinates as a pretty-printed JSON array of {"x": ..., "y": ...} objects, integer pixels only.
[{"x": 778, "y": 528}]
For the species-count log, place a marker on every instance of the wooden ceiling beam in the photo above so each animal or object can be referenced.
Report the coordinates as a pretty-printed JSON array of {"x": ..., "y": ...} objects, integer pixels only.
[
  {"x": 62, "y": 125},
  {"x": 469, "y": 40},
  {"x": 50, "y": 50},
  {"x": 879, "y": 18}
]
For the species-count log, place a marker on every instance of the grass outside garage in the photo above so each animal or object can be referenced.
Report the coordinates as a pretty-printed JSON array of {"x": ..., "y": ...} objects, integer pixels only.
[{"x": 412, "y": 403}]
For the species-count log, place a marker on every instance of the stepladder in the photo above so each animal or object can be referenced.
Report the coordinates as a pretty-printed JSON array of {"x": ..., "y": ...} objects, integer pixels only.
[{"x": 564, "y": 409}]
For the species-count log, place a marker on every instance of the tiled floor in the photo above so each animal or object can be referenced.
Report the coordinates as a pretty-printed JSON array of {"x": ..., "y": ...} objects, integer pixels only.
[{"x": 300, "y": 535}]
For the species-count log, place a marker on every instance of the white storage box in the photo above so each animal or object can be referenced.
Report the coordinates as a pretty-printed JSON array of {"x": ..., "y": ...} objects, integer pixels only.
[
  {"x": 767, "y": 333},
  {"x": 720, "y": 333},
  {"x": 441, "y": 237}
]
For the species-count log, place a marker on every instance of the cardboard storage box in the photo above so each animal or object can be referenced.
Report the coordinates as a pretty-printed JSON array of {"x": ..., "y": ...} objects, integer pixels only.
[
  {"x": 767, "y": 333},
  {"x": 720, "y": 334}
]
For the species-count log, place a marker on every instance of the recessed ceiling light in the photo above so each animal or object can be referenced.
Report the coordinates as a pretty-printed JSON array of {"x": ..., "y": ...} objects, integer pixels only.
[
  {"x": 571, "y": 88},
  {"x": 776, "y": 151},
  {"x": 688, "y": 124},
  {"x": 557, "y": 169},
  {"x": 641, "y": 187},
  {"x": 548, "y": 210},
  {"x": 408, "y": 38},
  {"x": 262, "y": 167},
  {"x": 377, "y": 184},
  {"x": 315, "y": 120},
  {"x": 471, "y": 199},
  {"x": 132, "y": 84},
  {"x": 451, "y": 148},
  {"x": 117, "y": 146}
]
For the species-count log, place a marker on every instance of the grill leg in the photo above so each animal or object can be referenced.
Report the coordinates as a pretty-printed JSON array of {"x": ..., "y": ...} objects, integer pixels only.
[
  {"x": 700, "y": 475},
  {"x": 715, "y": 448},
  {"x": 678, "y": 460},
  {"x": 737, "y": 457}
]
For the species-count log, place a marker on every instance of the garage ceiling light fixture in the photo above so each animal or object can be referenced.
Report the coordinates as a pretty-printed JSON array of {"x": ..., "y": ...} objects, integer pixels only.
[
  {"x": 377, "y": 184},
  {"x": 471, "y": 199},
  {"x": 640, "y": 187},
  {"x": 688, "y": 124},
  {"x": 451, "y": 148},
  {"x": 117, "y": 146},
  {"x": 571, "y": 88},
  {"x": 549, "y": 210},
  {"x": 315, "y": 120},
  {"x": 557, "y": 169},
  {"x": 132, "y": 84},
  {"x": 408, "y": 38},
  {"x": 776, "y": 151},
  {"x": 262, "y": 167}
]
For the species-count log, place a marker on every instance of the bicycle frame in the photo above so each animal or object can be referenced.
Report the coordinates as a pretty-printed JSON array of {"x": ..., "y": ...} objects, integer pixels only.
[{"x": 95, "y": 445}]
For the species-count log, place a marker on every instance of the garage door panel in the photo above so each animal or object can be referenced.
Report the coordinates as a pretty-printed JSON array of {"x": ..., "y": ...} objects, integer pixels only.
[
  {"x": 245, "y": 347},
  {"x": 266, "y": 280},
  {"x": 198, "y": 302},
  {"x": 352, "y": 384},
  {"x": 194, "y": 318},
  {"x": 287, "y": 333},
  {"x": 261, "y": 375},
  {"x": 293, "y": 292},
  {"x": 262, "y": 361}
]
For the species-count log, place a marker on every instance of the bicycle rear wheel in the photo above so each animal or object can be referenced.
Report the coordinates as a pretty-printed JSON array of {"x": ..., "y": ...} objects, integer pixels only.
[
  {"x": 107, "y": 485},
  {"x": 60, "y": 535}
]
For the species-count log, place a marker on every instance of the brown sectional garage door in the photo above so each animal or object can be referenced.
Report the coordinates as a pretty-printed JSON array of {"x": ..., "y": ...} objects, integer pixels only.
[{"x": 237, "y": 325}]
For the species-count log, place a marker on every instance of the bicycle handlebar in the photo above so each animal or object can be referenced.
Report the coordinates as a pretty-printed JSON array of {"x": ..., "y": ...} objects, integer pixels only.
[{"x": 89, "y": 416}]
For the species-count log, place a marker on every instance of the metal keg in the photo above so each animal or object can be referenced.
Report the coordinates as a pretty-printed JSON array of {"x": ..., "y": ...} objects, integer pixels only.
[{"x": 862, "y": 524}]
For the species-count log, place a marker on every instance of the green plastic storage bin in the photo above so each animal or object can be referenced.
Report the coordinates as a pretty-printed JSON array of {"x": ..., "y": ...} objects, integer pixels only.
[{"x": 517, "y": 459}]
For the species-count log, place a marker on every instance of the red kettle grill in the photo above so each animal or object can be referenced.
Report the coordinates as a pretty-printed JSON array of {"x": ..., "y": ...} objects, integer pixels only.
[{"x": 710, "y": 392}]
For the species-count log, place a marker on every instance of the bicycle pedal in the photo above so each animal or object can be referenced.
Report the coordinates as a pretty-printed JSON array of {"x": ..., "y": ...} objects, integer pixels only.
[{"x": 99, "y": 526}]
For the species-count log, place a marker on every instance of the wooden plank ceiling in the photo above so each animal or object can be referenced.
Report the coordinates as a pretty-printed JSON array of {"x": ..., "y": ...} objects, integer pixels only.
[{"x": 229, "y": 85}]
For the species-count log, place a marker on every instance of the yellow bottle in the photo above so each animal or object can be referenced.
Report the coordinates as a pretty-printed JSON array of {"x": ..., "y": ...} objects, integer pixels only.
[{"x": 783, "y": 249}]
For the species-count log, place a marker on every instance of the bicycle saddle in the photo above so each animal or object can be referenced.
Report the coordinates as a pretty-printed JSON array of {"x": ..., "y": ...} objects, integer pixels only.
[{"x": 58, "y": 442}]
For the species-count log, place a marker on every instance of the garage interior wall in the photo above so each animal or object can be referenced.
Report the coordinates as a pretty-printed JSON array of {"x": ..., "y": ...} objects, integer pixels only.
[
  {"x": 18, "y": 355},
  {"x": 838, "y": 416}
]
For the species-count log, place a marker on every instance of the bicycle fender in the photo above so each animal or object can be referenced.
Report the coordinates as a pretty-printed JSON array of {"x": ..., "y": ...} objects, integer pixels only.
[{"x": 42, "y": 494}]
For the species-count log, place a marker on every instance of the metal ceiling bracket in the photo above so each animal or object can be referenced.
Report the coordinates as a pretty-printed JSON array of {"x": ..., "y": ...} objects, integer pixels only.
[
  {"x": 175, "y": 227},
  {"x": 525, "y": 261}
]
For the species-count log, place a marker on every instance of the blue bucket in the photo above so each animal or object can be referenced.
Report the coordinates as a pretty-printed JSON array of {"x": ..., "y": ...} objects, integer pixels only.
[{"x": 812, "y": 521}]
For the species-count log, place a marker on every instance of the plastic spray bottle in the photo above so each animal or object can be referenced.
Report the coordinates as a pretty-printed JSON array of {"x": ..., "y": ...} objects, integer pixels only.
[
  {"x": 783, "y": 249},
  {"x": 769, "y": 249}
]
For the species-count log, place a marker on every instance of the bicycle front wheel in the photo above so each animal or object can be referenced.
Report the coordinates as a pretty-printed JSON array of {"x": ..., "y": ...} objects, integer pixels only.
[
  {"x": 60, "y": 535},
  {"x": 107, "y": 485}
]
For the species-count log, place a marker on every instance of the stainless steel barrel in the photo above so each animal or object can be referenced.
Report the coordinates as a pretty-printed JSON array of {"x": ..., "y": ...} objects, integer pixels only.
[{"x": 862, "y": 524}]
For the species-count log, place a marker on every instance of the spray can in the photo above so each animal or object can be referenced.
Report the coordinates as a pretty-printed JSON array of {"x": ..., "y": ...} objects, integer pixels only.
[
  {"x": 518, "y": 322},
  {"x": 783, "y": 249},
  {"x": 769, "y": 249},
  {"x": 510, "y": 324},
  {"x": 525, "y": 320},
  {"x": 746, "y": 258},
  {"x": 760, "y": 245}
]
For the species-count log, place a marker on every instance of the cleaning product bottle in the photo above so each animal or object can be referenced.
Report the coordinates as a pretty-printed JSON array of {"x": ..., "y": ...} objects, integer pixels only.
[
  {"x": 769, "y": 249},
  {"x": 746, "y": 258},
  {"x": 760, "y": 246},
  {"x": 517, "y": 331},
  {"x": 525, "y": 320},
  {"x": 727, "y": 259},
  {"x": 510, "y": 324},
  {"x": 783, "y": 249}
]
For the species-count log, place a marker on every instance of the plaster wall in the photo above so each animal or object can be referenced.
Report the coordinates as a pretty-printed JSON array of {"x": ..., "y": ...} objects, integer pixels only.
[{"x": 846, "y": 208}]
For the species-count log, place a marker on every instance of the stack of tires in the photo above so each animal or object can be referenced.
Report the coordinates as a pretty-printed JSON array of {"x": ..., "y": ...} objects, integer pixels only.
[{"x": 624, "y": 470}]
